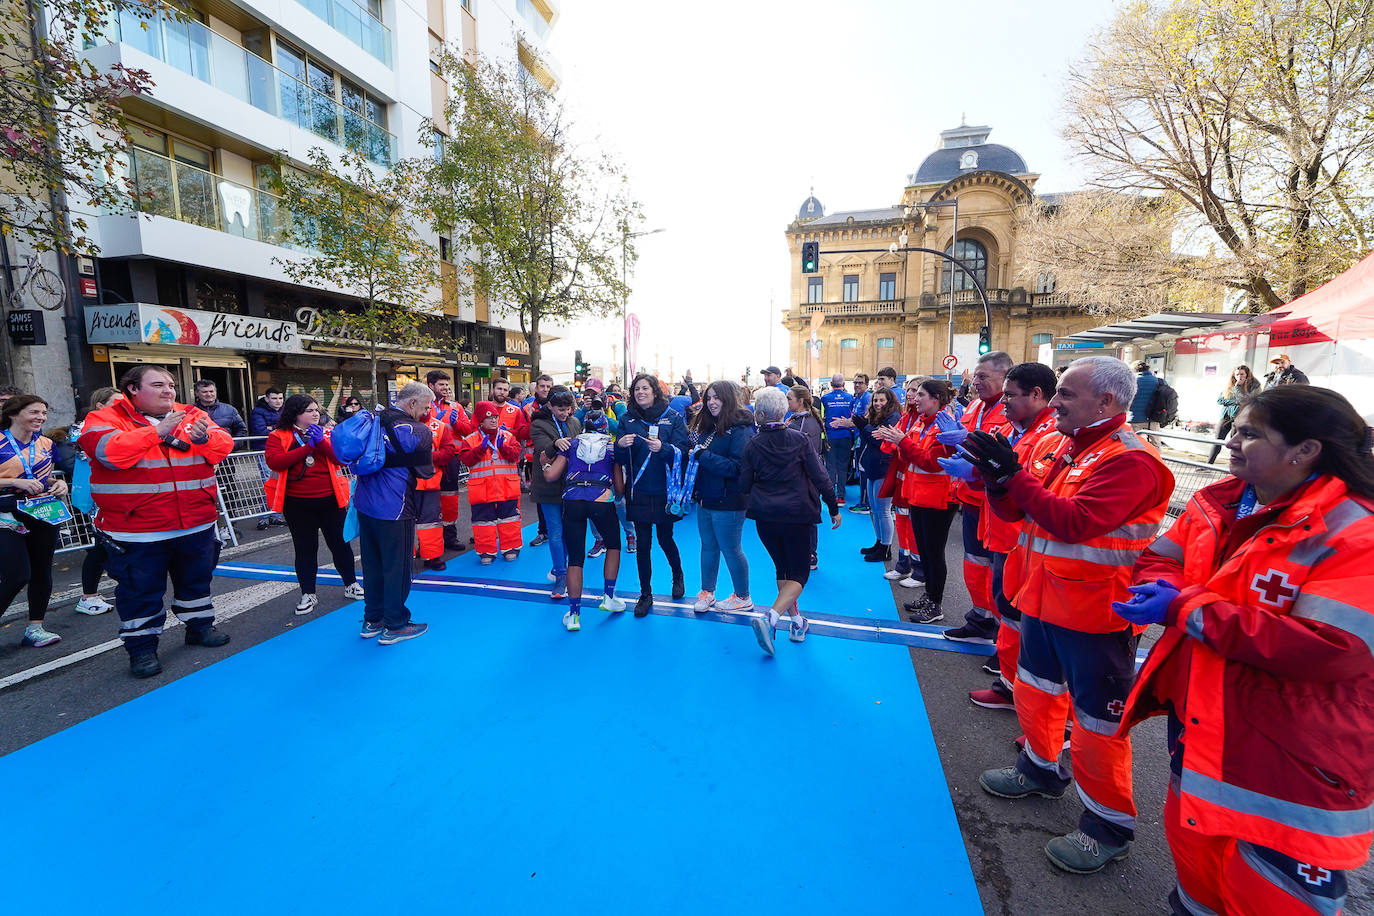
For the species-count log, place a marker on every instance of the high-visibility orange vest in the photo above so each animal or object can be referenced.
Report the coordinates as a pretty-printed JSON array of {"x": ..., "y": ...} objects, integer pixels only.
[
  {"x": 989, "y": 419},
  {"x": 921, "y": 488},
  {"x": 996, "y": 533},
  {"x": 1074, "y": 585},
  {"x": 436, "y": 429},
  {"x": 494, "y": 478},
  {"x": 275, "y": 485}
]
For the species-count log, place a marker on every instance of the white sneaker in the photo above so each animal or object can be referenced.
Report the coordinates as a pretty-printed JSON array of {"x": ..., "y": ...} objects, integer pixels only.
[
  {"x": 893, "y": 575},
  {"x": 704, "y": 602},
  {"x": 354, "y": 591},
  {"x": 551, "y": 576},
  {"x": 911, "y": 582},
  {"x": 572, "y": 621},
  {"x": 612, "y": 603},
  {"x": 735, "y": 603},
  {"x": 307, "y": 604},
  {"x": 93, "y": 605}
]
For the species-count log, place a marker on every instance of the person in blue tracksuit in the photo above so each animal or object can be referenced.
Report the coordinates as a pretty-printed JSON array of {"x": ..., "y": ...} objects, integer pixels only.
[
  {"x": 838, "y": 407},
  {"x": 720, "y": 431},
  {"x": 649, "y": 431}
]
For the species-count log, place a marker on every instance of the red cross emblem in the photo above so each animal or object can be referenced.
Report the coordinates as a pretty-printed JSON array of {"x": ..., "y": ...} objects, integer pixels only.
[
  {"x": 1314, "y": 874},
  {"x": 1116, "y": 707},
  {"x": 1273, "y": 588}
]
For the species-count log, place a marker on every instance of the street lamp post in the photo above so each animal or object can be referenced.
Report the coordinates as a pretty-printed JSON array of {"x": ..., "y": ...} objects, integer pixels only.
[
  {"x": 953, "y": 245},
  {"x": 625, "y": 237}
]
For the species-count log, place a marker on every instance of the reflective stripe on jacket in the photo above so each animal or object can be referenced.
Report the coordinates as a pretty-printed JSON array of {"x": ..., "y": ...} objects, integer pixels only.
[
  {"x": 996, "y": 533},
  {"x": 277, "y": 481},
  {"x": 1271, "y": 644},
  {"x": 1073, "y": 585},
  {"x": 493, "y": 476},
  {"x": 140, "y": 485},
  {"x": 990, "y": 419},
  {"x": 924, "y": 484}
]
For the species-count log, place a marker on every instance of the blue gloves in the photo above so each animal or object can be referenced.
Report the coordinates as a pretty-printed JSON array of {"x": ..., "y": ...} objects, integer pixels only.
[
  {"x": 1150, "y": 604},
  {"x": 952, "y": 432},
  {"x": 958, "y": 409},
  {"x": 314, "y": 435},
  {"x": 958, "y": 468}
]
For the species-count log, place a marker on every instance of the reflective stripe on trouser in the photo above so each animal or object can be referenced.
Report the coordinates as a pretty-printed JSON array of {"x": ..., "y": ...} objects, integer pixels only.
[
  {"x": 141, "y": 572},
  {"x": 496, "y": 526},
  {"x": 1093, "y": 673},
  {"x": 1223, "y": 875},
  {"x": 906, "y": 535},
  {"x": 429, "y": 532},
  {"x": 449, "y": 504},
  {"x": 1009, "y": 631},
  {"x": 978, "y": 575}
]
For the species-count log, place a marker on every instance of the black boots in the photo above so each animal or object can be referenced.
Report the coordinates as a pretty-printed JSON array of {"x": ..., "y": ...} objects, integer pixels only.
[
  {"x": 209, "y": 637},
  {"x": 144, "y": 664}
]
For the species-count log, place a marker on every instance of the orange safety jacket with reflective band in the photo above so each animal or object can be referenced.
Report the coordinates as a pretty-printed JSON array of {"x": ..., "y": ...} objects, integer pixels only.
[
  {"x": 1074, "y": 585},
  {"x": 895, "y": 480},
  {"x": 275, "y": 485},
  {"x": 1271, "y": 646},
  {"x": 996, "y": 533},
  {"x": 990, "y": 419},
  {"x": 141, "y": 486},
  {"x": 493, "y": 476},
  {"x": 440, "y": 431},
  {"x": 925, "y": 484}
]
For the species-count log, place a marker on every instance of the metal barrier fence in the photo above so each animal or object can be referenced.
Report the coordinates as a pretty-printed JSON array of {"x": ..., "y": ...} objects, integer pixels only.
[
  {"x": 1189, "y": 475},
  {"x": 240, "y": 479}
]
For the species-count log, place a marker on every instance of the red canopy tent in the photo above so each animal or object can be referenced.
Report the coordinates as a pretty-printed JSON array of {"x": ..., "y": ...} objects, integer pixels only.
[{"x": 1341, "y": 310}]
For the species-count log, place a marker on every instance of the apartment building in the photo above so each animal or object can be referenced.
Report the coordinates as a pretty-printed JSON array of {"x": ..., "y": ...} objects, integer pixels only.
[{"x": 194, "y": 281}]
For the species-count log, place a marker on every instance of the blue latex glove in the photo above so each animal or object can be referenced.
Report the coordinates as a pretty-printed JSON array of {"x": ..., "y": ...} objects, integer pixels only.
[
  {"x": 314, "y": 435},
  {"x": 957, "y": 408},
  {"x": 952, "y": 432},
  {"x": 1150, "y": 604},
  {"x": 958, "y": 468}
]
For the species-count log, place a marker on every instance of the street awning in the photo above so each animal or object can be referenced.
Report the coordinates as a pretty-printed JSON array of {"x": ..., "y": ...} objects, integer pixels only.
[{"x": 1151, "y": 326}]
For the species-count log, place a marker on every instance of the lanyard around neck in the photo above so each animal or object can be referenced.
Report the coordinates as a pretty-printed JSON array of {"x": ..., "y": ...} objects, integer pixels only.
[{"x": 32, "y": 459}]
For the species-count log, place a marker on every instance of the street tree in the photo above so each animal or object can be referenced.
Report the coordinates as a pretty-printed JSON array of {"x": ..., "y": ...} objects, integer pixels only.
[
  {"x": 62, "y": 128},
  {"x": 355, "y": 226},
  {"x": 546, "y": 222},
  {"x": 1252, "y": 120}
]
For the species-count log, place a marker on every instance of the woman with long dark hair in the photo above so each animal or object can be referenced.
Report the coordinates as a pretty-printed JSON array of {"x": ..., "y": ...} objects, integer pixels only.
[
  {"x": 720, "y": 431},
  {"x": 27, "y": 541},
  {"x": 311, "y": 490},
  {"x": 883, "y": 410},
  {"x": 1241, "y": 385},
  {"x": 1265, "y": 668},
  {"x": 649, "y": 432},
  {"x": 348, "y": 408},
  {"x": 906, "y": 569}
]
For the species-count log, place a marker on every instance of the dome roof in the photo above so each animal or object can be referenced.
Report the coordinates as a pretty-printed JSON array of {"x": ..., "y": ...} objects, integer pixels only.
[
  {"x": 963, "y": 150},
  {"x": 810, "y": 209}
]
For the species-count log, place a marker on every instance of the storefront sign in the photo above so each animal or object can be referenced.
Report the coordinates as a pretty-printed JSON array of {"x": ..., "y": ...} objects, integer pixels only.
[
  {"x": 1081, "y": 345},
  {"x": 26, "y": 328},
  {"x": 155, "y": 324},
  {"x": 516, "y": 343}
]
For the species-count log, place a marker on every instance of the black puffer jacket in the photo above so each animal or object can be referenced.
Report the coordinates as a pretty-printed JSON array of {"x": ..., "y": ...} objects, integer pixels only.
[
  {"x": 718, "y": 468},
  {"x": 783, "y": 477}
]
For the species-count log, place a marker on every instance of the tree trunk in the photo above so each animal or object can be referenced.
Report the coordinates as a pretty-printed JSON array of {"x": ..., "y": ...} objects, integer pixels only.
[
  {"x": 372, "y": 354},
  {"x": 532, "y": 338}
]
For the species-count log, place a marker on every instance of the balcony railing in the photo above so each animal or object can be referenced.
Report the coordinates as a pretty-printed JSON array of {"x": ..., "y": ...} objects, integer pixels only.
[
  {"x": 210, "y": 57},
  {"x": 530, "y": 13},
  {"x": 356, "y": 24},
  {"x": 866, "y": 307},
  {"x": 165, "y": 187}
]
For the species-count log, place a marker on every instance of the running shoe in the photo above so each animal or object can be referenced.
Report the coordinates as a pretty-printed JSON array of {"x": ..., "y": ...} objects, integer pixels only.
[
  {"x": 892, "y": 575},
  {"x": 993, "y": 667},
  {"x": 630, "y": 543},
  {"x": 926, "y": 611},
  {"x": 572, "y": 621},
  {"x": 539, "y": 540},
  {"x": 861, "y": 509},
  {"x": 840, "y": 501},
  {"x": 612, "y": 603},
  {"x": 910, "y": 582},
  {"x": 815, "y": 563},
  {"x": 486, "y": 559},
  {"x": 36, "y": 636},
  {"x": 1082, "y": 855},
  {"x": 371, "y": 629},
  {"x": 995, "y": 697},
  {"x": 765, "y": 626},
  {"x": 510, "y": 555},
  {"x": 597, "y": 549},
  {"x": 1009, "y": 782},
  {"x": 560, "y": 589},
  {"x": 970, "y": 634},
  {"x": 705, "y": 600},
  {"x": 354, "y": 591},
  {"x": 797, "y": 631},
  {"x": 93, "y": 605},
  {"x": 734, "y": 604},
  {"x": 401, "y": 634},
  {"x": 306, "y": 604},
  {"x": 551, "y": 576}
]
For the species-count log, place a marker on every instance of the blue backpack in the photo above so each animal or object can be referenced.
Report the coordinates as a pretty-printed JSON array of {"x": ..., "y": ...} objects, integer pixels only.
[{"x": 358, "y": 442}]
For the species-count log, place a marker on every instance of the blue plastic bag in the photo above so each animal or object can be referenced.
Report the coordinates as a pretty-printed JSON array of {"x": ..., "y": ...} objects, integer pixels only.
[
  {"x": 358, "y": 441},
  {"x": 82, "y": 500},
  {"x": 350, "y": 525}
]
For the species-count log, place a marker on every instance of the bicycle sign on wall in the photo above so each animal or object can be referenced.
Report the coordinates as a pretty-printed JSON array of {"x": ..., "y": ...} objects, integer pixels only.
[{"x": 32, "y": 282}]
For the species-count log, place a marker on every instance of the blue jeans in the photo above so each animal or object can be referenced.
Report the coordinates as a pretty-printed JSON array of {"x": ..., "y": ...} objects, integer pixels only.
[
  {"x": 552, "y": 513},
  {"x": 625, "y": 525},
  {"x": 837, "y": 464},
  {"x": 721, "y": 533},
  {"x": 880, "y": 511}
]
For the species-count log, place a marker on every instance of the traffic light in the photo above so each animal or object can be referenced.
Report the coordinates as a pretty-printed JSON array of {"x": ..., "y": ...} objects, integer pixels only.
[
  {"x": 984, "y": 340},
  {"x": 811, "y": 257},
  {"x": 579, "y": 369}
]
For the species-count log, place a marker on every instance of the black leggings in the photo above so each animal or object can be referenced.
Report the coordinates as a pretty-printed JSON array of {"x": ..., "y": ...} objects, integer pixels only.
[
  {"x": 92, "y": 568},
  {"x": 643, "y": 531},
  {"x": 26, "y": 560},
  {"x": 307, "y": 517},
  {"x": 576, "y": 514},
  {"x": 1223, "y": 429},
  {"x": 931, "y": 528}
]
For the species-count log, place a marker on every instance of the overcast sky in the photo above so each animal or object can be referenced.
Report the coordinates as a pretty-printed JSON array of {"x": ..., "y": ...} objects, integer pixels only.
[{"x": 727, "y": 114}]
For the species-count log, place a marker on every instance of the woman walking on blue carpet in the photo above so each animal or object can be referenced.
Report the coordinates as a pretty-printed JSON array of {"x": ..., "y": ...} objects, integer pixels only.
[
  {"x": 720, "y": 432},
  {"x": 649, "y": 433},
  {"x": 785, "y": 483},
  {"x": 552, "y": 431},
  {"x": 591, "y": 482}
]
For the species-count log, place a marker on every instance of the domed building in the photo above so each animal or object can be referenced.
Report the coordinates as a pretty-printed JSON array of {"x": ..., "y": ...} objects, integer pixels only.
[{"x": 883, "y": 306}]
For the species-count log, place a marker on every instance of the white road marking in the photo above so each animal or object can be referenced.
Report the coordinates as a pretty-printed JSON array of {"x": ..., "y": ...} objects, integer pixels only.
[{"x": 227, "y": 606}]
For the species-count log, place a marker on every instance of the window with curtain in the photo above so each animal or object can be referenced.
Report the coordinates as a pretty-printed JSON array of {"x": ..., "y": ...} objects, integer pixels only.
[
  {"x": 1041, "y": 338},
  {"x": 849, "y": 343},
  {"x": 887, "y": 287},
  {"x": 885, "y": 342},
  {"x": 975, "y": 256},
  {"x": 815, "y": 289},
  {"x": 851, "y": 287}
]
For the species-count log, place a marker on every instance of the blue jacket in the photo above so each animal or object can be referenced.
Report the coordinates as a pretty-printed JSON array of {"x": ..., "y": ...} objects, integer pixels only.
[
  {"x": 718, "y": 469},
  {"x": 861, "y": 409},
  {"x": 389, "y": 494},
  {"x": 872, "y": 459},
  {"x": 228, "y": 417},
  {"x": 1145, "y": 384},
  {"x": 263, "y": 419},
  {"x": 838, "y": 404},
  {"x": 653, "y": 479}
]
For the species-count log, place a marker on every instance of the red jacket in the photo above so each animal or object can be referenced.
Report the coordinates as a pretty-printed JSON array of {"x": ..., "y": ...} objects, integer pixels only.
[
  {"x": 1266, "y": 658},
  {"x": 494, "y": 476},
  {"x": 285, "y": 458},
  {"x": 452, "y": 414},
  {"x": 990, "y": 417},
  {"x": 514, "y": 421},
  {"x": 925, "y": 484},
  {"x": 445, "y": 447},
  {"x": 140, "y": 485},
  {"x": 998, "y": 534}
]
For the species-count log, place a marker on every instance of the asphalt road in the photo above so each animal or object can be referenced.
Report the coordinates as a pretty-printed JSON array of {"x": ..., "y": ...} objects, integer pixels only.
[{"x": 39, "y": 695}]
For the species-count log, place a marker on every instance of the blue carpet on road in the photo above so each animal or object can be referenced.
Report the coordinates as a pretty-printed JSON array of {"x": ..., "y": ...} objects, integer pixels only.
[{"x": 501, "y": 765}]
